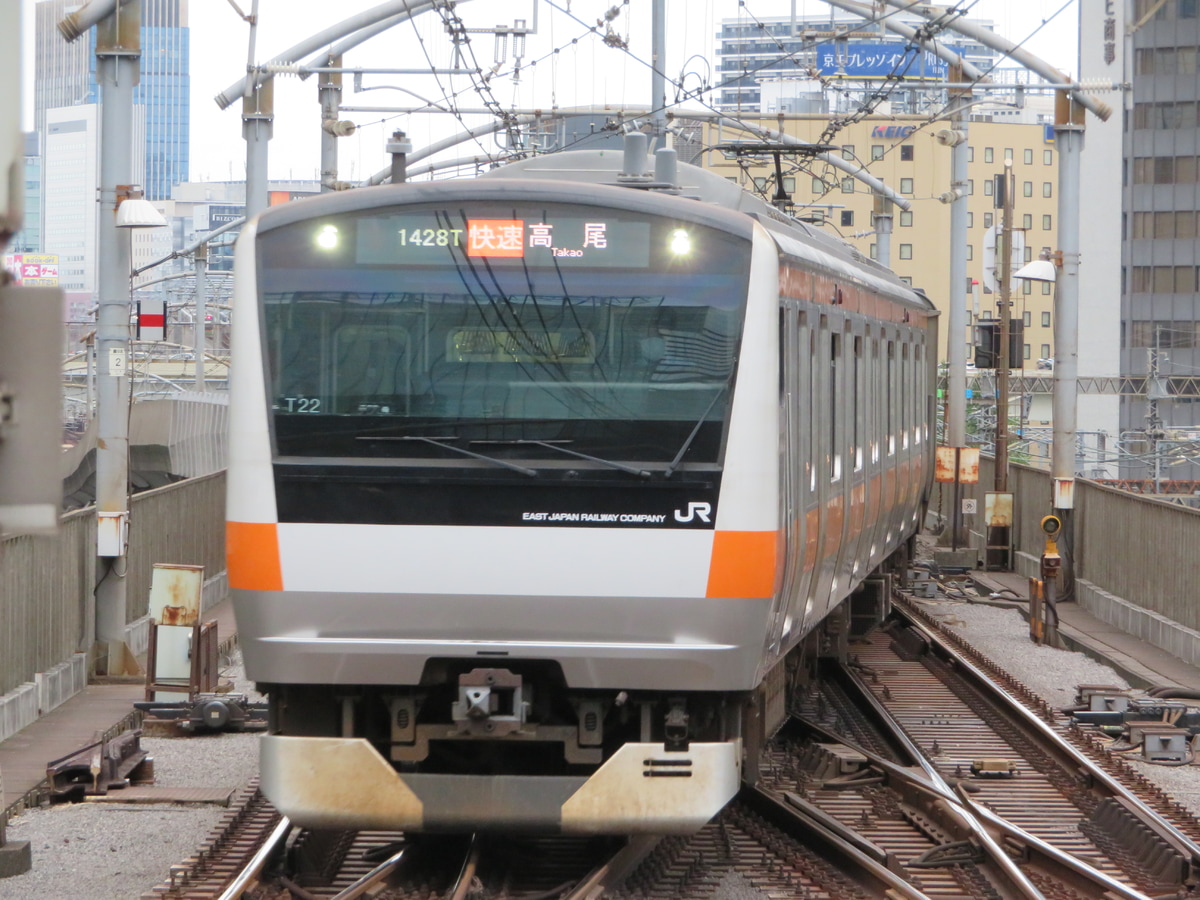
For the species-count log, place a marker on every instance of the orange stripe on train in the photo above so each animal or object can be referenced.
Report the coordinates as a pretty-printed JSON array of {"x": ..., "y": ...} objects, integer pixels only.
[
  {"x": 252, "y": 556},
  {"x": 743, "y": 564}
]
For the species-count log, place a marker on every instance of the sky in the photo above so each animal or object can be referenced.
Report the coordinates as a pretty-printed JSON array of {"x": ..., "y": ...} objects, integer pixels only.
[{"x": 565, "y": 64}]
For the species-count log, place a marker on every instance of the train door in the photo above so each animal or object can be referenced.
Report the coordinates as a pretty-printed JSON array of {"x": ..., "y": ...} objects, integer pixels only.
[
  {"x": 806, "y": 505},
  {"x": 831, "y": 480},
  {"x": 891, "y": 440},
  {"x": 789, "y": 475},
  {"x": 853, "y": 564},
  {"x": 874, "y": 399}
]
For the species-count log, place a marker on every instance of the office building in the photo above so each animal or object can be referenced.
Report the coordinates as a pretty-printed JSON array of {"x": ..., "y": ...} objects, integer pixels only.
[
  {"x": 65, "y": 75},
  {"x": 1140, "y": 266}
]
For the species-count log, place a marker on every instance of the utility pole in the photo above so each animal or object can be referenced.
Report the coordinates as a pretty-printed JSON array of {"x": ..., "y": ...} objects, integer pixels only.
[
  {"x": 1068, "y": 136},
  {"x": 956, "y": 325},
  {"x": 882, "y": 221},
  {"x": 329, "y": 90},
  {"x": 658, "y": 78},
  {"x": 200, "y": 314},
  {"x": 258, "y": 117},
  {"x": 1004, "y": 200},
  {"x": 118, "y": 58},
  {"x": 1154, "y": 423}
]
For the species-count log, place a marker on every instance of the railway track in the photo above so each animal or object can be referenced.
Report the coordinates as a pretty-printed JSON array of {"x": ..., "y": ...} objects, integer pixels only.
[{"x": 867, "y": 792}]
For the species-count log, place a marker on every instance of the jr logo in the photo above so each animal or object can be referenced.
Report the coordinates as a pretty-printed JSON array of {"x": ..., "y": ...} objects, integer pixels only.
[{"x": 699, "y": 511}]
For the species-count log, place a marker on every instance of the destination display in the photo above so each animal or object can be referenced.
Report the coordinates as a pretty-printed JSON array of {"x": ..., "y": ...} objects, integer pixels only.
[{"x": 545, "y": 240}]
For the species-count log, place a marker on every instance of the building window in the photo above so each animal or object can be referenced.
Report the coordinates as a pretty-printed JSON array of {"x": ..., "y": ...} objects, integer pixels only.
[
  {"x": 1025, "y": 350},
  {"x": 818, "y": 186},
  {"x": 1027, "y": 318},
  {"x": 906, "y": 152},
  {"x": 1027, "y": 188},
  {"x": 1047, "y": 223},
  {"x": 906, "y": 218},
  {"x": 970, "y": 220},
  {"x": 970, "y": 154},
  {"x": 877, "y": 151},
  {"x": 1029, "y": 157},
  {"x": 906, "y": 185},
  {"x": 1046, "y": 287},
  {"x": 970, "y": 187},
  {"x": 1047, "y": 189},
  {"x": 874, "y": 252},
  {"x": 848, "y": 151},
  {"x": 988, "y": 219},
  {"x": 1026, "y": 287},
  {"x": 1045, "y": 351},
  {"x": 1027, "y": 221},
  {"x": 906, "y": 279},
  {"x": 988, "y": 188},
  {"x": 906, "y": 251},
  {"x": 970, "y": 251},
  {"x": 847, "y": 185},
  {"x": 1047, "y": 157},
  {"x": 847, "y": 217},
  {"x": 1008, "y": 153},
  {"x": 988, "y": 155}
]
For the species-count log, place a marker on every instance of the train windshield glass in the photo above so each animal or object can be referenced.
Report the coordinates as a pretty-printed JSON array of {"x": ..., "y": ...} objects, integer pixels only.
[{"x": 514, "y": 332}]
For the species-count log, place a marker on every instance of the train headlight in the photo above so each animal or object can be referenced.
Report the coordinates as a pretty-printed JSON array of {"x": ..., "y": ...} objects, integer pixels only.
[
  {"x": 681, "y": 242},
  {"x": 327, "y": 237}
]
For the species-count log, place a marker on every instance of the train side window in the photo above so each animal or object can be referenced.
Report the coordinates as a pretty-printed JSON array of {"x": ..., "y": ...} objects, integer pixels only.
[
  {"x": 814, "y": 432},
  {"x": 917, "y": 380},
  {"x": 835, "y": 455},
  {"x": 890, "y": 378},
  {"x": 857, "y": 405},
  {"x": 877, "y": 419},
  {"x": 904, "y": 396}
]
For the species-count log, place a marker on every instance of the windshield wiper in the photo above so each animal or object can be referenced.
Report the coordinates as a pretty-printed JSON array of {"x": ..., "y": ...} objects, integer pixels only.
[
  {"x": 440, "y": 441},
  {"x": 695, "y": 430},
  {"x": 640, "y": 473}
]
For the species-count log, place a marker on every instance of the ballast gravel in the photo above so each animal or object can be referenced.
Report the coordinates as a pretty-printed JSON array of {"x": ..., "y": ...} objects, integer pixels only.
[{"x": 118, "y": 852}]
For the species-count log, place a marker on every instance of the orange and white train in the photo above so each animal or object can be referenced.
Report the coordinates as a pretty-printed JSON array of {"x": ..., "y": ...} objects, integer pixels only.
[{"x": 542, "y": 482}]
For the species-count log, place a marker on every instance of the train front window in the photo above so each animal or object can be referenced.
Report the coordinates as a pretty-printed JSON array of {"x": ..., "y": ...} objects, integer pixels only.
[{"x": 517, "y": 333}]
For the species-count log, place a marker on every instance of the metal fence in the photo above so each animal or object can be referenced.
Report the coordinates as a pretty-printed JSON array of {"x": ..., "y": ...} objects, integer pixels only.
[
  {"x": 47, "y": 583},
  {"x": 1137, "y": 558},
  {"x": 45, "y": 586}
]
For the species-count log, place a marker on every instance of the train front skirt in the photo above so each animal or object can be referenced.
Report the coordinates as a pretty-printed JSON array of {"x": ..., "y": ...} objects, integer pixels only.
[{"x": 642, "y": 788}]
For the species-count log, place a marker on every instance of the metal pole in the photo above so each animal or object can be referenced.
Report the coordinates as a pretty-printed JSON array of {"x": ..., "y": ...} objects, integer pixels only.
[
  {"x": 118, "y": 55},
  {"x": 329, "y": 89},
  {"x": 956, "y": 321},
  {"x": 257, "y": 118},
  {"x": 399, "y": 147},
  {"x": 1004, "y": 305},
  {"x": 883, "y": 230},
  {"x": 658, "y": 80},
  {"x": 1068, "y": 136},
  {"x": 200, "y": 314}
]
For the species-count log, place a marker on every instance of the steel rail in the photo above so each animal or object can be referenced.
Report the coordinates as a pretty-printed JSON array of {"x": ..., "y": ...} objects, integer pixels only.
[
  {"x": 1070, "y": 756},
  {"x": 248, "y": 875}
]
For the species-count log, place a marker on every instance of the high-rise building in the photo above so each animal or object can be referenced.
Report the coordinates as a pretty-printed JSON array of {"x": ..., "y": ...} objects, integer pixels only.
[
  {"x": 1140, "y": 269},
  {"x": 65, "y": 75}
]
